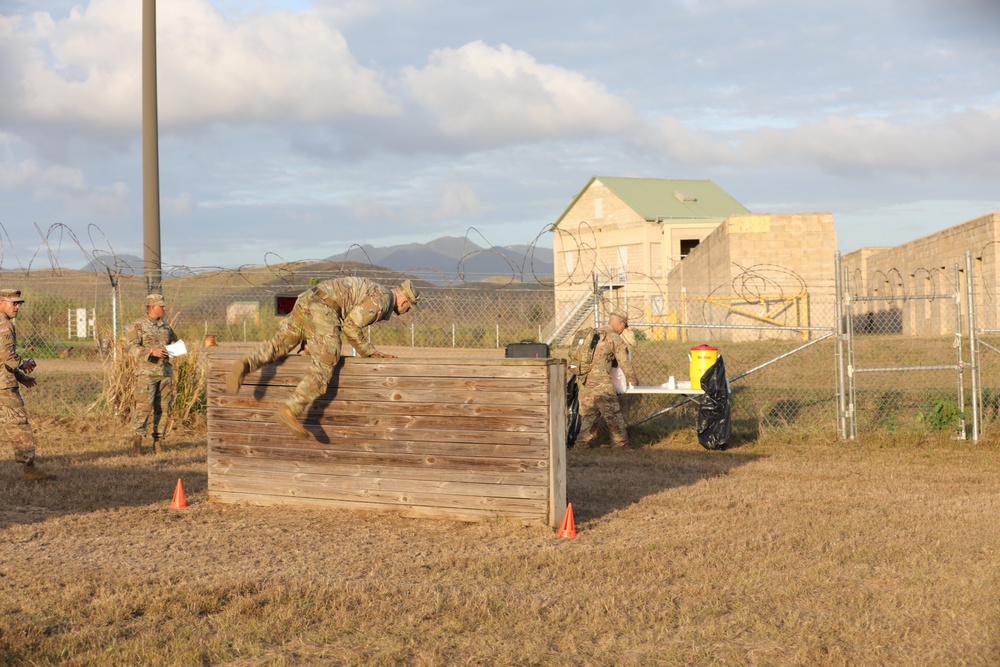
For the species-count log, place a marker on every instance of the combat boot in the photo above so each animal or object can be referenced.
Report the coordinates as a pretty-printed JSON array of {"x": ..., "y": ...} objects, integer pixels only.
[
  {"x": 136, "y": 445},
  {"x": 289, "y": 420},
  {"x": 234, "y": 379},
  {"x": 157, "y": 446},
  {"x": 33, "y": 474}
]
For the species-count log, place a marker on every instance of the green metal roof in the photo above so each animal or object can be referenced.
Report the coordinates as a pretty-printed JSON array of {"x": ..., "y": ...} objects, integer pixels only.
[{"x": 668, "y": 198}]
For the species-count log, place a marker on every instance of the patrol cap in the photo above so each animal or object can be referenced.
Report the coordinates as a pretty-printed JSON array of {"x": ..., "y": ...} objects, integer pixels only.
[
  {"x": 13, "y": 295},
  {"x": 410, "y": 292},
  {"x": 155, "y": 300},
  {"x": 623, "y": 318}
]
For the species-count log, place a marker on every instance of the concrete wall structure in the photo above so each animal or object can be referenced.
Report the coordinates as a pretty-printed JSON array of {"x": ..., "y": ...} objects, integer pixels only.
[
  {"x": 911, "y": 274},
  {"x": 761, "y": 269}
]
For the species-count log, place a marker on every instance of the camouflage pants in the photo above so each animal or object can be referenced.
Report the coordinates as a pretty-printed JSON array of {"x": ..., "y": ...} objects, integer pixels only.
[
  {"x": 600, "y": 400},
  {"x": 152, "y": 399},
  {"x": 318, "y": 325},
  {"x": 15, "y": 420}
]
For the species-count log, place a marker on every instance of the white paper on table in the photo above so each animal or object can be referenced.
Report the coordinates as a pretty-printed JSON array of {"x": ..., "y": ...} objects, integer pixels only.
[{"x": 177, "y": 349}]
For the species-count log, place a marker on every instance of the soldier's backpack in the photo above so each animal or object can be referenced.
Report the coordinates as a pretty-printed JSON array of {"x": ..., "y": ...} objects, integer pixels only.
[{"x": 581, "y": 351}]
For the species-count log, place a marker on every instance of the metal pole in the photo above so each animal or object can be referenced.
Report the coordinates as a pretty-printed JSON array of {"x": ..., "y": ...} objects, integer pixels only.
[
  {"x": 839, "y": 350},
  {"x": 958, "y": 349},
  {"x": 970, "y": 292},
  {"x": 852, "y": 425},
  {"x": 150, "y": 153}
]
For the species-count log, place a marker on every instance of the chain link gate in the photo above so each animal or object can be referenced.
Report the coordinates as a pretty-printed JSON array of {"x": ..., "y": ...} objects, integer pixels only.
[{"x": 913, "y": 337}]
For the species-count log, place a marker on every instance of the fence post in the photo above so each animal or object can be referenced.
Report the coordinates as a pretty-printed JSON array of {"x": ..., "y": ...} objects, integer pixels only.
[
  {"x": 970, "y": 293},
  {"x": 839, "y": 350}
]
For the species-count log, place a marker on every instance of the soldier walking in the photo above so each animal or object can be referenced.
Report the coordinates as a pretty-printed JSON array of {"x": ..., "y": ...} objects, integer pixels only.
[
  {"x": 597, "y": 392},
  {"x": 321, "y": 314},
  {"x": 148, "y": 338},
  {"x": 15, "y": 371}
]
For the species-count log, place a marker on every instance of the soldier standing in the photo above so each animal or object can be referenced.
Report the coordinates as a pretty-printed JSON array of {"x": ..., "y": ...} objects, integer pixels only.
[
  {"x": 148, "y": 338},
  {"x": 320, "y": 315},
  {"x": 597, "y": 392},
  {"x": 13, "y": 372}
]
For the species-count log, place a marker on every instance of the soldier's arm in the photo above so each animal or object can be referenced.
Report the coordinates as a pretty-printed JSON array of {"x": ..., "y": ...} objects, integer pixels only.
[
  {"x": 8, "y": 355},
  {"x": 134, "y": 338},
  {"x": 621, "y": 355},
  {"x": 364, "y": 314}
]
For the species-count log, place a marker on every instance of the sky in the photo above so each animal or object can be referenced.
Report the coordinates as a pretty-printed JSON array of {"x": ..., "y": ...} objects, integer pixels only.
[{"x": 291, "y": 130}]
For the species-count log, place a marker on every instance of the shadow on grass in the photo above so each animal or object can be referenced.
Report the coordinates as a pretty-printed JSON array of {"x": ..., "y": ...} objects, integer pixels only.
[
  {"x": 97, "y": 481},
  {"x": 600, "y": 481}
]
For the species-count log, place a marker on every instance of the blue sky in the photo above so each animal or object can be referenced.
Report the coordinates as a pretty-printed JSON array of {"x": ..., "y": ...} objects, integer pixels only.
[{"x": 300, "y": 128}]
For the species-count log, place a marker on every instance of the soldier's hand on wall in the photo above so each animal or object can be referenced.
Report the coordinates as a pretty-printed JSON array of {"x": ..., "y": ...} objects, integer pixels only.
[{"x": 382, "y": 355}]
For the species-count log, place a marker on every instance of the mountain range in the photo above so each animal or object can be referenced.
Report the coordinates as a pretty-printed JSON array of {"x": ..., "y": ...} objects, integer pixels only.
[
  {"x": 457, "y": 257},
  {"x": 449, "y": 257}
]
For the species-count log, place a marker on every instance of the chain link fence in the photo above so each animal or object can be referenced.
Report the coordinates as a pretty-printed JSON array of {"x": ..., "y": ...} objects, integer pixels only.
[{"x": 835, "y": 357}]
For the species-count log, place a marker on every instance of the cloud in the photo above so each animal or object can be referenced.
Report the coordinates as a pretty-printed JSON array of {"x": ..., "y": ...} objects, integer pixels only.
[
  {"x": 50, "y": 182},
  {"x": 85, "y": 69},
  {"x": 181, "y": 205},
  {"x": 966, "y": 142},
  {"x": 457, "y": 201},
  {"x": 491, "y": 96},
  {"x": 366, "y": 208}
]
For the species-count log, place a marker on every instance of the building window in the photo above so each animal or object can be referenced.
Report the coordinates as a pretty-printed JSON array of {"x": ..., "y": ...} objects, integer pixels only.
[
  {"x": 570, "y": 257},
  {"x": 687, "y": 245},
  {"x": 622, "y": 268},
  {"x": 657, "y": 305},
  {"x": 598, "y": 208}
]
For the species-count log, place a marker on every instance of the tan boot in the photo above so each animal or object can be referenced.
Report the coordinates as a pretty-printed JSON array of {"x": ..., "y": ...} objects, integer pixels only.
[
  {"x": 289, "y": 420},
  {"x": 157, "y": 445},
  {"x": 33, "y": 474},
  {"x": 136, "y": 445},
  {"x": 234, "y": 379}
]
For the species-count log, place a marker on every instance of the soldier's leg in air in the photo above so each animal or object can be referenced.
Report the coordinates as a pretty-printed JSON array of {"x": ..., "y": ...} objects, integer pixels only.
[{"x": 289, "y": 335}]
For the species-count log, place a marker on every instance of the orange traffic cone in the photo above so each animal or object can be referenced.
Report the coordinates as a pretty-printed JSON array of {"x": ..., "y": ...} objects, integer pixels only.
[
  {"x": 568, "y": 526},
  {"x": 178, "y": 503}
]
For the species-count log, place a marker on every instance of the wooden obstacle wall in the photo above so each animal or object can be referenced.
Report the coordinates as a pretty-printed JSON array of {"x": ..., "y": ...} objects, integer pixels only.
[{"x": 468, "y": 439}]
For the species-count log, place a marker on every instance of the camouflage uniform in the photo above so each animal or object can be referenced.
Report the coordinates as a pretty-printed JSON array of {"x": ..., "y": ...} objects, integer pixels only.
[
  {"x": 12, "y": 412},
  {"x": 154, "y": 384},
  {"x": 321, "y": 314},
  {"x": 597, "y": 393}
]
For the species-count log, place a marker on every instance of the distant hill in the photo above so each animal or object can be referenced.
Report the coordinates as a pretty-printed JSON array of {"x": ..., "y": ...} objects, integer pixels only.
[
  {"x": 454, "y": 257},
  {"x": 128, "y": 265}
]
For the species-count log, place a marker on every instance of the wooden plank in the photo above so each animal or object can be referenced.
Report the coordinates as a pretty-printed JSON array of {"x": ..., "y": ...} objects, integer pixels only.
[
  {"x": 407, "y": 395},
  {"x": 233, "y": 476},
  {"x": 330, "y": 458},
  {"x": 291, "y": 368},
  {"x": 557, "y": 444},
  {"x": 405, "y": 511},
  {"x": 389, "y": 491},
  {"x": 334, "y": 407},
  {"x": 431, "y": 446},
  {"x": 514, "y": 472},
  {"x": 377, "y": 420},
  {"x": 328, "y": 433}
]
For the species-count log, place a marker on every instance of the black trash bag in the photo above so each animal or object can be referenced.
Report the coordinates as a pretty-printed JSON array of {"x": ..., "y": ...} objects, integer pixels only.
[
  {"x": 715, "y": 422},
  {"x": 572, "y": 411}
]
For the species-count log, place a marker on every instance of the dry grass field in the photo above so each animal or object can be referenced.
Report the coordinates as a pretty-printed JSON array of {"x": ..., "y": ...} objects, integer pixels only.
[{"x": 778, "y": 552}]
